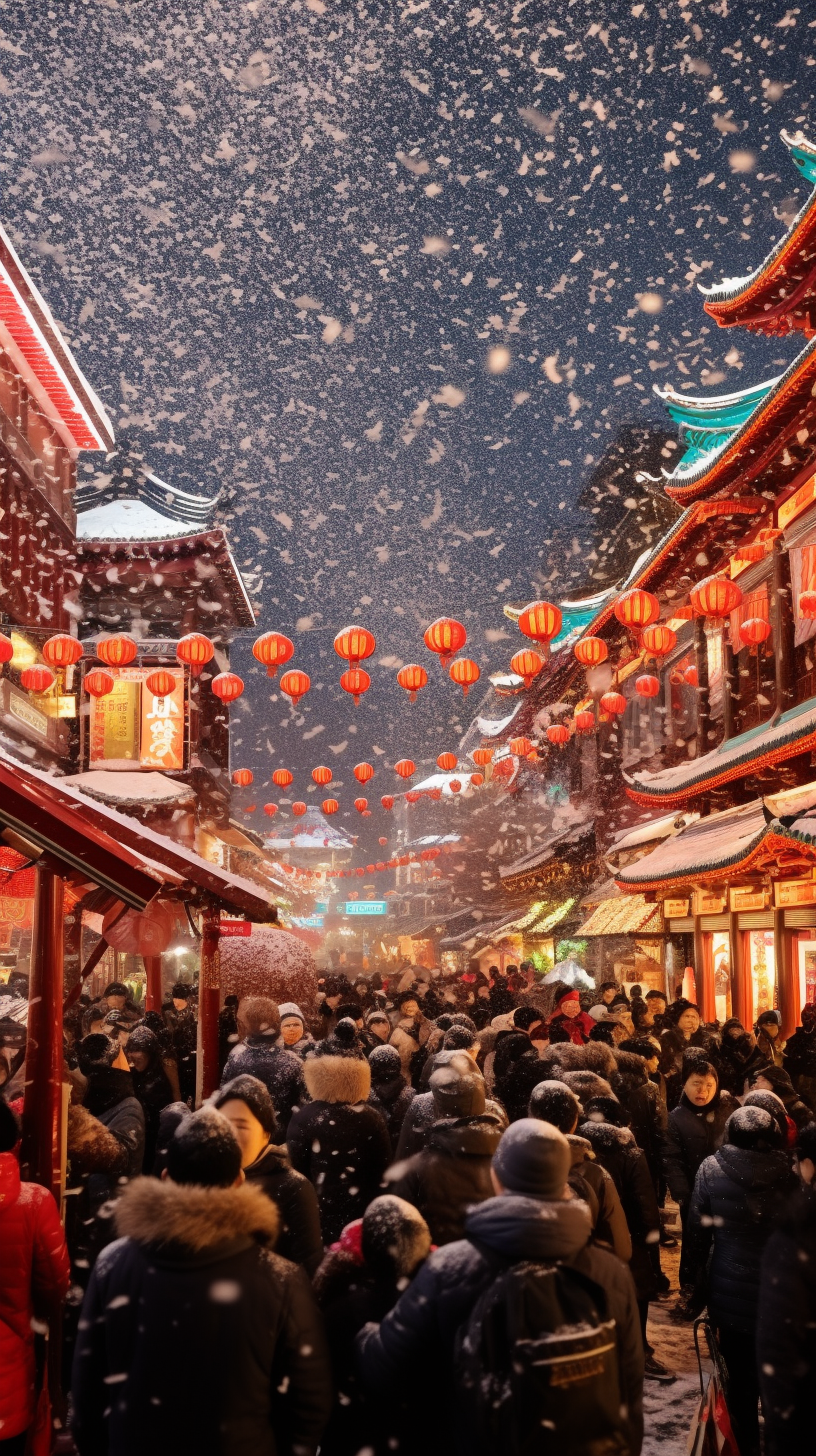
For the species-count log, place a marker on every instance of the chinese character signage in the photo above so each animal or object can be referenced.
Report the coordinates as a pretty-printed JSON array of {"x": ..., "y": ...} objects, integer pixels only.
[
  {"x": 162, "y": 738},
  {"x": 794, "y": 892},
  {"x": 131, "y": 726},
  {"x": 366, "y": 907},
  {"x": 747, "y": 897}
]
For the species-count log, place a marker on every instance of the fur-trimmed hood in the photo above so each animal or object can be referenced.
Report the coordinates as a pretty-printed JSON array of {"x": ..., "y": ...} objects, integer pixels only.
[
  {"x": 594, "y": 1057},
  {"x": 580, "y": 1149},
  {"x": 629, "y": 1074},
  {"x": 197, "y": 1220},
  {"x": 605, "y": 1137},
  {"x": 586, "y": 1085},
  {"x": 337, "y": 1079}
]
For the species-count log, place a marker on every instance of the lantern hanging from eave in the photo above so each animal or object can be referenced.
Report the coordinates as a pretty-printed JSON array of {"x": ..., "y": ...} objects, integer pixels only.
[
  {"x": 322, "y": 775},
  {"x": 160, "y": 683},
  {"x": 658, "y": 640},
  {"x": 807, "y": 604},
  {"x": 413, "y": 796},
  {"x": 591, "y": 651},
  {"x": 435, "y": 794},
  {"x": 6, "y": 649},
  {"x": 361, "y": 805},
  {"x": 690, "y": 676},
  {"x": 447, "y": 762},
  {"x": 585, "y": 721},
  {"x": 37, "y": 679},
  {"x": 412, "y": 677},
  {"x": 117, "y": 650},
  {"x": 405, "y": 768},
  {"x": 387, "y": 801},
  {"x": 330, "y": 806},
  {"x": 271, "y": 810},
  {"x": 194, "y": 651},
  {"x": 613, "y": 703},
  {"x": 99, "y": 683},
  {"x": 62, "y": 650},
  {"x": 637, "y": 609},
  {"x": 754, "y": 631},
  {"x": 242, "y": 777},
  {"x": 542, "y": 622},
  {"x": 282, "y": 777},
  {"x": 477, "y": 780},
  {"x": 445, "y": 637},
  {"x": 363, "y": 772},
  {"x": 558, "y": 733},
  {"x": 455, "y": 785},
  {"x": 299, "y": 809},
  {"x": 295, "y": 685},
  {"x": 527, "y": 665},
  {"x": 227, "y": 686},
  {"x": 356, "y": 682},
  {"x": 354, "y": 644},
  {"x": 482, "y": 756},
  {"x": 715, "y": 597},
  {"x": 380, "y": 865},
  {"x": 647, "y": 686},
  {"x": 521, "y": 746},
  {"x": 272, "y": 650}
]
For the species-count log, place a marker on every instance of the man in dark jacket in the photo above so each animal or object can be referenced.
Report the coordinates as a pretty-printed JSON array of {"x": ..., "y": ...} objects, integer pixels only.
[
  {"x": 452, "y": 1171},
  {"x": 641, "y": 1097},
  {"x": 531, "y": 1218},
  {"x": 695, "y": 1130},
  {"x": 247, "y": 1106},
  {"x": 259, "y": 1054},
  {"x": 799, "y": 1060},
  {"x": 194, "y": 1335},
  {"x": 421, "y": 1114},
  {"x": 553, "y": 1102},
  {"x": 391, "y": 1093},
  {"x": 738, "y": 1197}
]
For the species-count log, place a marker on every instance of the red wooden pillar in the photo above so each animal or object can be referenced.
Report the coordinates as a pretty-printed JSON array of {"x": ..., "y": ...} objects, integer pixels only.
[
  {"x": 209, "y": 1001},
  {"x": 742, "y": 990},
  {"x": 42, "y": 1111},
  {"x": 704, "y": 970},
  {"x": 153, "y": 972},
  {"x": 787, "y": 975}
]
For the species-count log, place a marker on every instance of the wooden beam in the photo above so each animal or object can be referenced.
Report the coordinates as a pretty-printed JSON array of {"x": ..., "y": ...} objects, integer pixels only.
[
  {"x": 782, "y": 618},
  {"x": 41, "y": 1153}
]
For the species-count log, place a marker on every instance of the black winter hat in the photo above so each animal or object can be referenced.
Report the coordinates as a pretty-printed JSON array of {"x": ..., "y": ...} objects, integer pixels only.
[
  {"x": 406, "y": 996},
  {"x": 180, "y": 992},
  {"x": 204, "y": 1150},
  {"x": 753, "y": 1128},
  {"x": 142, "y": 1039},
  {"x": 525, "y": 1016},
  {"x": 773, "y": 1104},
  {"x": 553, "y": 1102},
  {"x": 351, "y": 1010},
  {"x": 459, "y": 1039},
  {"x": 457, "y": 1094},
  {"x": 806, "y": 1141},
  {"x": 532, "y": 1158},
  {"x": 459, "y": 1018},
  {"x": 445, "y": 1021},
  {"x": 116, "y": 988},
  {"x": 778, "y": 1078},
  {"x": 606, "y": 1109},
  {"x": 96, "y": 1052},
  {"x": 395, "y": 1237},
  {"x": 252, "y": 1091},
  {"x": 384, "y": 1062}
]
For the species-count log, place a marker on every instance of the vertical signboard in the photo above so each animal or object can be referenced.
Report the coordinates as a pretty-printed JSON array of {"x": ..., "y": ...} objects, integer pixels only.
[
  {"x": 131, "y": 727},
  {"x": 162, "y": 736}
]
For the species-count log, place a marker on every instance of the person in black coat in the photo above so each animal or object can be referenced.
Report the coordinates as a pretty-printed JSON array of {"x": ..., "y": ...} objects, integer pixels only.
[
  {"x": 529, "y": 1219},
  {"x": 799, "y": 1060},
  {"x": 786, "y": 1333},
  {"x": 696, "y": 1128},
  {"x": 150, "y": 1084},
  {"x": 421, "y": 1113},
  {"x": 391, "y": 1093},
  {"x": 260, "y": 1055},
  {"x": 227, "y": 1030},
  {"x": 738, "y": 1057},
  {"x": 683, "y": 1030},
  {"x": 338, "y": 1140},
  {"x": 553, "y": 1102},
  {"x": 247, "y": 1106},
  {"x": 738, "y": 1197},
  {"x": 642, "y": 1099},
  {"x": 776, "y": 1079},
  {"x": 194, "y": 1336}
]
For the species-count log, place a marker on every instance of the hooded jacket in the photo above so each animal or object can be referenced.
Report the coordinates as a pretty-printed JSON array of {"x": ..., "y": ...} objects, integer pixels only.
[
  {"x": 299, "y": 1238},
  {"x": 609, "y": 1224},
  {"x": 616, "y": 1151},
  {"x": 692, "y": 1135},
  {"x": 280, "y": 1071},
  {"x": 737, "y": 1200},
  {"x": 641, "y": 1098},
  {"x": 786, "y": 1333},
  {"x": 391, "y": 1096},
  {"x": 338, "y": 1141},
  {"x": 451, "y": 1173},
  {"x": 422, "y": 1113},
  {"x": 34, "y": 1277},
  {"x": 414, "y": 1343},
  {"x": 800, "y": 1062},
  {"x": 194, "y": 1336}
]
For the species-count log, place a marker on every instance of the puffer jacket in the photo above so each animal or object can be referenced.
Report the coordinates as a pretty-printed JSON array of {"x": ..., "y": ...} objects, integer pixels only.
[
  {"x": 800, "y": 1063},
  {"x": 737, "y": 1201},
  {"x": 413, "y": 1346},
  {"x": 296, "y": 1201},
  {"x": 616, "y": 1151},
  {"x": 786, "y": 1332},
  {"x": 692, "y": 1135},
  {"x": 280, "y": 1071},
  {"x": 609, "y": 1224},
  {"x": 647, "y": 1111},
  {"x": 34, "y": 1277},
  {"x": 450, "y": 1173},
  {"x": 391, "y": 1097}
]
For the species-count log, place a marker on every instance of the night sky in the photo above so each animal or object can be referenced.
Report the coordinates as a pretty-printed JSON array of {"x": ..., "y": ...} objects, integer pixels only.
[{"x": 393, "y": 276}]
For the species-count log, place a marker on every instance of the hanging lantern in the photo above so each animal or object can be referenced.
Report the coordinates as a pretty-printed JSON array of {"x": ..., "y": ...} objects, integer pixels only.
[
  {"x": 282, "y": 777},
  {"x": 412, "y": 677},
  {"x": 160, "y": 683},
  {"x": 477, "y": 780},
  {"x": 464, "y": 672},
  {"x": 227, "y": 686},
  {"x": 330, "y": 806},
  {"x": 558, "y": 733},
  {"x": 99, "y": 683},
  {"x": 446, "y": 637},
  {"x": 585, "y": 721},
  {"x": 242, "y": 777},
  {"x": 380, "y": 865},
  {"x": 807, "y": 604},
  {"x": 526, "y": 664},
  {"x": 521, "y": 746},
  {"x": 354, "y": 644},
  {"x": 637, "y": 609},
  {"x": 271, "y": 810},
  {"x": 541, "y": 621},
  {"x": 690, "y": 676},
  {"x": 591, "y": 651},
  {"x": 295, "y": 685},
  {"x": 455, "y": 785},
  {"x": 356, "y": 682},
  {"x": 613, "y": 703},
  {"x": 715, "y": 596},
  {"x": 447, "y": 762},
  {"x": 298, "y": 809},
  {"x": 361, "y": 805},
  {"x": 754, "y": 631},
  {"x": 482, "y": 756},
  {"x": 405, "y": 768},
  {"x": 658, "y": 639},
  {"x": 62, "y": 650},
  {"x": 435, "y": 794},
  {"x": 37, "y": 679},
  {"x": 387, "y": 801},
  {"x": 322, "y": 776},
  {"x": 195, "y": 651},
  {"x": 413, "y": 796},
  {"x": 363, "y": 772},
  {"x": 382, "y": 839},
  {"x": 647, "y": 686},
  {"x": 118, "y": 650},
  {"x": 272, "y": 650},
  {"x": 6, "y": 648}
]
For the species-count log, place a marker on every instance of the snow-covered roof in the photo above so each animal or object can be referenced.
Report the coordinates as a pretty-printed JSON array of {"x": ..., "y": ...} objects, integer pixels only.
[
  {"x": 660, "y": 828},
  {"x": 311, "y": 831},
  {"x": 713, "y": 843},
  {"x": 128, "y": 520},
  {"x": 130, "y": 787}
]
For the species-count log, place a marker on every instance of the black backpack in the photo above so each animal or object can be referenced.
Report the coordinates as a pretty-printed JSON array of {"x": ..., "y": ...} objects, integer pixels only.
[{"x": 536, "y": 1367}]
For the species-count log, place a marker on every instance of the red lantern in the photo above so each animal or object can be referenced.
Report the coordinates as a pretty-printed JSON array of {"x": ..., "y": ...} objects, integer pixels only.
[
  {"x": 690, "y": 676},
  {"x": 558, "y": 733},
  {"x": 447, "y": 762},
  {"x": 380, "y": 865},
  {"x": 37, "y": 679},
  {"x": 658, "y": 639},
  {"x": 363, "y": 772},
  {"x": 298, "y": 809},
  {"x": 330, "y": 806},
  {"x": 98, "y": 683},
  {"x": 435, "y": 794},
  {"x": 647, "y": 686},
  {"x": 359, "y": 871},
  {"x": 195, "y": 651},
  {"x": 405, "y": 768},
  {"x": 807, "y": 604},
  {"x": 117, "y": 651},
  {"x": 613, "y": 703},
  {"x": 354, "y": 644},
  {"x": 591, "y": 651},
  {"x": 387, "y": 801},
  {"x": 160, "y": 683},
  {"x": 520, "y": 746},
  {"x": 6, "y": 648},
  {"x": 637, "y": 609},
  {"x": 271, "y": 810},
  {"x": 227, "y": 686},
  {"x": 413, "y": 796},
  {"x": 482, "y": 756},
  {"x": 62, "y": 650},
  {"x": 272, "y": 650},
  {"x": 446, "y": 637},
  {"x": 715, "y": 596},
  {"x": 382, "y": 839},
  {"x": 541, "y": 621},
  {"x": 356, "y": 682},
  {"x": 455, "y": 785},
  {"x": 242, "y": 777},
  {"x": 526, "y": 664},
  {"x": 412, "y": 677},
  {"x": 322, "y": 776},
  {"x": 282, "y": 777},
  {"x": 754, "y": 631},
  {"x": 464, "y": 672},
  {"x": 477, "y": 780},
  {"x": 585, "y": 721},
  {"x": 295, "y": 685},
  {"x": 361, "y": 805}
]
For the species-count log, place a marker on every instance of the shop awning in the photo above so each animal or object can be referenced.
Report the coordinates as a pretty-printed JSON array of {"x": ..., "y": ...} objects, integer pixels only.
[
  {"x": 713, "y": 845},
  {"x": 626, "y": 915}
]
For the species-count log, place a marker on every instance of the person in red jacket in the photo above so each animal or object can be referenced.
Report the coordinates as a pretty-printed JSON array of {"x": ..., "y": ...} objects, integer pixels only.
[
  {"x": 34, "y": 1277},
  {"x": 570, "y": 1023}
]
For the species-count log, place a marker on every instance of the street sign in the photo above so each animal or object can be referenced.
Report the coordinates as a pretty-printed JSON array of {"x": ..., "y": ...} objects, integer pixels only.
[
  {"x": 366, "y": 907},
  {"x": 321, "y": 906},
  {"x": 235, "y": 927},
  {"x": 314, "y": 922}
]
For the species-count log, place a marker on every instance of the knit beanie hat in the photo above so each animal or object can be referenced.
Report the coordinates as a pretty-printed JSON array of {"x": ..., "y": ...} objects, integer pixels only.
[
  {"x": 567, "y": 996},
  {"x": 255, "y": 1094},
  {"x": 292, "y": 1010},
  {"x": 532, "y": 1158},
  {"x": 395, "y": 1238},
  {"x": 204, "y": 1150},
  {"x": 524, "y": 1017},
  {"x": 773, "y": 1104},
  {"x": 385, "y": 1063},
  {"x": 553, "y": 1102},
  {"x": 754, "y": 1128}
]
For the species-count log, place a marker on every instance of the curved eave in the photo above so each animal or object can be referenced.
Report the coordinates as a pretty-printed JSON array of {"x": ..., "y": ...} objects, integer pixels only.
[
  {"x": 694, "y": 410},
  {"x": 774, "y": 839},
  {"x": 748, "y": 300}
]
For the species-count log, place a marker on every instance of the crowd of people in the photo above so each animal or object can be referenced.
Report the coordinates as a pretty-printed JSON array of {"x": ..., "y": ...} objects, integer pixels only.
[{"x": 424, "y": 1212}]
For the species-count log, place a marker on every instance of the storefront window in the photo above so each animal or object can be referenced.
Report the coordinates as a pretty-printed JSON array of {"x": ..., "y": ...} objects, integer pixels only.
[
  {"x": 721, "y": 954},
  {"x": 763, "y": 970}
]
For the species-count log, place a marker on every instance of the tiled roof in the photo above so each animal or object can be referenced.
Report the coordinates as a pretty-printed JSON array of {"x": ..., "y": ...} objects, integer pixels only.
[
  {"x": 627, "y": 915},
  {"x": 714, "y": 844}
]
